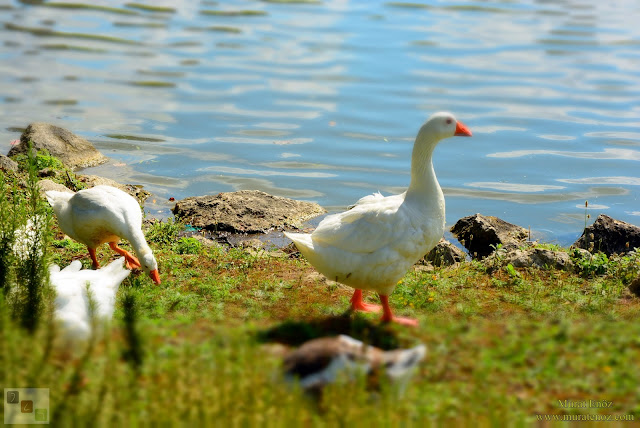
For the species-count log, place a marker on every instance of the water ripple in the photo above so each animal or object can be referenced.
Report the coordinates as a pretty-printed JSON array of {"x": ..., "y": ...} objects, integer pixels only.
[{"x": 322, "y": 101}]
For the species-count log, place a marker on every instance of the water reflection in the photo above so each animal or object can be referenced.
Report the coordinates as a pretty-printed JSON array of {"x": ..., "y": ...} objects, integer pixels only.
[
  {"x": 538, "y": 198},
  {"x": 515, "y": 187},
  {"x": 620, "y": 154},
  {"x": 325, "y": 99},
  {"x": 623, "y": 181}
]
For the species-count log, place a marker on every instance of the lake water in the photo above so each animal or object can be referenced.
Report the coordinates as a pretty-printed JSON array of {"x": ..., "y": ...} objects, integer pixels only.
[{"x": 322, "y": 101}]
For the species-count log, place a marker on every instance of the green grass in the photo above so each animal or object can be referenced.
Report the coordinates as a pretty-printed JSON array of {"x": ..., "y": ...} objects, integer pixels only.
[{"x": 504, "y": 344}]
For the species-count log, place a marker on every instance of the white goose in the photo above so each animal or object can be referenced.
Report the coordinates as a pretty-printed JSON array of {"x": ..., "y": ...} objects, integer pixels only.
[
  {"x": 104, "y": 214},
  {"x": 319, "y": 362},
  {"x": 372, "y": 245},
  {"x": 73, "y": 287}
]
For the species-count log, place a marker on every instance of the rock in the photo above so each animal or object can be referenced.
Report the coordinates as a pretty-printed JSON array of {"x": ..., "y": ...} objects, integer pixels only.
[
  {"x": 48, "y": 172},
  {"x": 609, "y": 236},
  {"x": 245, "y": 211},
  {"x": 46, "y": 185},
  {"x": 634, "y": 287},
  {"x": 581, "y": 254},
  {"x": 540, "y": 258},
  {"x": 530, "y": 257},
  {"x": 253, "y": 243},
  {"x": 94, "y": 180},
  {"x": 445, "y": 254},
  {"x": 481, "y": 234},
  {"x": 134, "y": 190},
  {"x": 73, "y": 151},
  {"x": 205, "y": 241},
  {"x": 8, "y": 164}
]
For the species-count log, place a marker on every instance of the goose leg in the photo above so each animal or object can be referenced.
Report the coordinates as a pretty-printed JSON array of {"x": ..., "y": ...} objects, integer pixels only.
[
  {"x": 387, "y": 316},
  {"x": 357, "y": 304},
  {"x": 130, "y": 260},
  {"x": 94, "y": 259}
]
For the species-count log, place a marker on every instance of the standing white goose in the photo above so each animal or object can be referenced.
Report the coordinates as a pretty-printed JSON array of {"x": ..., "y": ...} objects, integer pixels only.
[
  {"x": 104, "y": 214},
  {"x": 372, "y": 245}
]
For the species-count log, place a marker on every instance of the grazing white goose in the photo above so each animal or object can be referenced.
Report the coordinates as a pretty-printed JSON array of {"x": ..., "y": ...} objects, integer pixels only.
[
  {"x": 104, "y": 214},
  {"x": 72, "y": 313},
  {"x": 321, "y": 361},
  {"x": 372, "y": 245}
]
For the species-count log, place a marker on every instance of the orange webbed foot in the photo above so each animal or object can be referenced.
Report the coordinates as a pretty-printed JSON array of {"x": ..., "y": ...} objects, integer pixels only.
[
  {"x": 411, "y": 322},
  {"x": 358, "y": 304},
  {"x": 389, "y": 317},
  {"x": 131, "y": 262}
]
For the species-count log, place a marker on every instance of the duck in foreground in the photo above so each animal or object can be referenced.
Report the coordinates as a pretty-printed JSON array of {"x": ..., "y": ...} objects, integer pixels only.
[
  {"x": 319, "y": 362},
  {"x": 73, "y": 287},
  {"x": 104, "y": 214},
  {"x": 372, "y": 245}
]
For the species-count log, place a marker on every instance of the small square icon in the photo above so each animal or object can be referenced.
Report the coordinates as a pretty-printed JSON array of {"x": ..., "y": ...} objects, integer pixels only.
[
  {"x": 26, "y": 406},
  {"x": 41, "y": 415},
  {"x": 13, "y": 397}
]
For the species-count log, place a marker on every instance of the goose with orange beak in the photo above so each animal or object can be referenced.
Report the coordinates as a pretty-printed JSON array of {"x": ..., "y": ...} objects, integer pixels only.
[
  {"x": 372, "y": 245},
  {"x": 104, "y": 214}
]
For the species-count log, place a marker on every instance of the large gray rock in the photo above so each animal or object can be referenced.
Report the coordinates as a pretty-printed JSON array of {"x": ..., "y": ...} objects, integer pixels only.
[
  {"x": 530, "y": 257},
  {"x": 134, "y": 190},
  {"x": 245, "y": 211},
  {"x": 445, "y": 254},
  {"x": 7, "y": 164},
  {"x": 73, "y": 151},
  {"x": 540, "y": 258},
  {"x": 91, "y": 181},
  {"x": 609, "y": 236},
  {"x": 481, "y": 234},
  {"x": 46, "y": 185}
]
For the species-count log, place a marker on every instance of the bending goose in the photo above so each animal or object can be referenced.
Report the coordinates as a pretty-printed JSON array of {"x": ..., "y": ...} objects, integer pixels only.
[
  {"x": 104, "y": 214},
  {"x": 372, "y": 245},
  {"x": 319, "y": 362}
]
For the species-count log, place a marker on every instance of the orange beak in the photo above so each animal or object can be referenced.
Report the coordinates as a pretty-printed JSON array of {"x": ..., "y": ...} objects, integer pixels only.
[
  {"x": 155, "y": 276},
  {"x": 462, "y": 130}
]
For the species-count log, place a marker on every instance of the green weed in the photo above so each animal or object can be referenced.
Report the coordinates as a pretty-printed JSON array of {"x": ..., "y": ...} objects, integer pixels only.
[
  {"x": 188, "y": 245},
  {"x": 164, "y": 232},
  {"x": 503, "y": 344}
]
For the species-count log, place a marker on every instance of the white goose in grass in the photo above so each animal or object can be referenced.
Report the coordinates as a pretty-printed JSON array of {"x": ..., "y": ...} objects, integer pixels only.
[
  {"x": 73, "y": 287},
  {"x": 319, "y": 362},
  {"x": 104, "y": 214},
  {"x": 372, "y": 245}
]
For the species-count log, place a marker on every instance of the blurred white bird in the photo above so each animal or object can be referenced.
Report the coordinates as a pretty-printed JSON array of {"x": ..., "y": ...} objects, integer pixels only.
[
  {"x": 319, "y": 362},
  {"x": 28, "y": 235},
  {"x": 73, "y": 287}
]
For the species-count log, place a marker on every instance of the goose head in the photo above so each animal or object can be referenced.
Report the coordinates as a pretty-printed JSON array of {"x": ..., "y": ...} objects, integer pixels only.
[
  {"x": 423, "y": 179},
  {"x": 442, "y": 125},
  {"x": 150, "y": 266}
]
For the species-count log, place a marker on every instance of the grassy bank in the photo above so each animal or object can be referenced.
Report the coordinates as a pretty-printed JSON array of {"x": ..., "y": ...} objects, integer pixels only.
[{"x": 504, "y": 345}]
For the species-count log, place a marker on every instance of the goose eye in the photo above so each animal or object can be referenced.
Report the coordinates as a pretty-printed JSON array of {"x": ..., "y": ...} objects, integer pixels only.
[{"x": 449, "y": 121}]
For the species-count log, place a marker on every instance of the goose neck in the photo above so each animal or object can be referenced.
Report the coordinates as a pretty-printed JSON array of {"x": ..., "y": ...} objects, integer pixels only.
[{"x": 424, "y": 184}]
